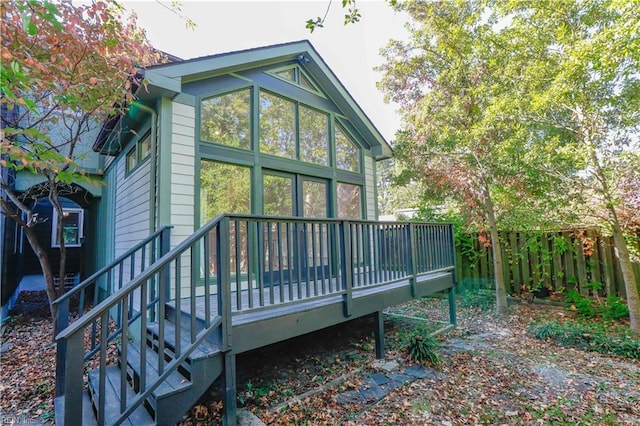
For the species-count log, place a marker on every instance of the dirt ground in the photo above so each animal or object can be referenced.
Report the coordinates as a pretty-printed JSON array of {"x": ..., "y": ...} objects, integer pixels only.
[{"x": 491, "y": 372}]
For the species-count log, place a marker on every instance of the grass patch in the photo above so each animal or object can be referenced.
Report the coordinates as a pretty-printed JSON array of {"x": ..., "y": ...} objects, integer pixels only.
[{"x": 481, "y": 299}]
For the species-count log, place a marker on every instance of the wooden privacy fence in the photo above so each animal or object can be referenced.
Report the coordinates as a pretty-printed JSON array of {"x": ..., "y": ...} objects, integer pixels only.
[{"x": 584, "y": 261}]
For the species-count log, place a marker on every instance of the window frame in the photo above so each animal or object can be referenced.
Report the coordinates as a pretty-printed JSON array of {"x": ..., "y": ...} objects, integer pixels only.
[
  {"x": 80, "y": 225},
  {"x": 251, "y": 129},
  {"x": 135, "y": 153}
]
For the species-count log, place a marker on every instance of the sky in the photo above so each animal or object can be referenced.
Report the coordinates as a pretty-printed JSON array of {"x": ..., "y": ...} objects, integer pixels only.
[{"x": 351, "y": 51}]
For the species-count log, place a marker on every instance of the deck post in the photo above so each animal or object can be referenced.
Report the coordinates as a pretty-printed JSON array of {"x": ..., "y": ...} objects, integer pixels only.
[
  {"x": 229, "y": 389},
  {"x": 73, "y": 384},
  {"x": 61, "y": 347},
  {"x": 347, "y": 266},
  {"x": 411, "y": 259},
  {"x": 452, "y": 306},
  {"x": 379, "y": 333}
]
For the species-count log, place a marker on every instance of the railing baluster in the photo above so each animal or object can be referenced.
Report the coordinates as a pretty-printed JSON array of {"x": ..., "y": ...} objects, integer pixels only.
[
  {"x": 250, "y": 263},
  {"x": 289, "y": 266},
  {"x": 144, "y": 306},
  {"x": 269, "y": 229},
  {"x": 299, "y": 236},
  {"x": 207, "y": 278},
  {"x": 260, "y": 260},
  {"x": 178, "y": 303},
  {"x": 104, "y": 328},
  {"x": 330, "y": 255},
  {"x": 280, "y": 274},
  {"x": 237, "y": 238},
  {"x": 123, "y": 356},
  {"x": 314, "y": 264},
  {"x": 321, "y": 228}
]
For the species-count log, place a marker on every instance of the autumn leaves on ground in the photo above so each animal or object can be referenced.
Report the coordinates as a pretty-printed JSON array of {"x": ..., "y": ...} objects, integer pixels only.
[{"x": 491, "y": 371}]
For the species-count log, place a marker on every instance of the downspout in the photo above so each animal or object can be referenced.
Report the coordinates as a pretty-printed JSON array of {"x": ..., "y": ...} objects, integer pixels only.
[{"x": 154, "y": 158}]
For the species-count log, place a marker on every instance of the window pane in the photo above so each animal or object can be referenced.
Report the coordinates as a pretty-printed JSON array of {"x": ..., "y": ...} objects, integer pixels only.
[
  {"x": 278, "y": 195},
  {"x": 144, "y": 148},
  {"x": 314, "y": 136},
  {"x": 277, "y": 126},
  {"x": 225, "y": 188},
  {"x": 71, "y": 228},
  {"x": 304, "y": 82},
  {"x": 226, "y": 119},
  {"x": 349, "y": 201},
  {"x": 131, "y": 160},
  {"x": 347, "y": 153},
  {"x": 314, "y": 196},
  {"x": 287, "y": 74}
]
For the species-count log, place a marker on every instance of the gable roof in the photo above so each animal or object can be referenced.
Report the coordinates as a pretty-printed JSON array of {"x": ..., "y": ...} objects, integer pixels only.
[{"x": 167, "y": 80}]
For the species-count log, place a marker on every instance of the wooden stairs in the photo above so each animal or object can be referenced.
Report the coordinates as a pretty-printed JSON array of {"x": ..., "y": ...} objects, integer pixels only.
[{"x": 177, "y": 393}]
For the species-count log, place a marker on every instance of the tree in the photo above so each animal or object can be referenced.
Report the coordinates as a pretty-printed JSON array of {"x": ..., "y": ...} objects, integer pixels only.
[
  {"x": 65, "y": 68},
  {"x": 586, "y": 83},
  {"x": 453, "y": 81}
]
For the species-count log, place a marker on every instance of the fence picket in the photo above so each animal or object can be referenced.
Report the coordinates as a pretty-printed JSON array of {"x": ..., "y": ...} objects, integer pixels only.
[{"x": 555, "y": 260}]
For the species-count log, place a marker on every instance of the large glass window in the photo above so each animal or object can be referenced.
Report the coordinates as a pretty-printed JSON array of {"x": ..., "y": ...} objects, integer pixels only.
[
  {"x": 347, "y": 153},
  {"x": 72, "y": 221},
  {"x": 314, "y": 198},
  {"x": 278, "y": 195},
  {"x": 349, "y": 201},
  {"x": 314, "y": 136},
  {"x": 226, "y": 119},
  {"x": 277, "y": 126},
  {"x": 225, "y": 188}
]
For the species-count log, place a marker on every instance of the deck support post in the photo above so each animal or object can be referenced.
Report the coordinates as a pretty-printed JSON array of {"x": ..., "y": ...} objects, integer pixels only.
[
  {"x": 379, "y": 333},
  {"x": 452, "y": 306},
  {"x": 229, "y": 402}
]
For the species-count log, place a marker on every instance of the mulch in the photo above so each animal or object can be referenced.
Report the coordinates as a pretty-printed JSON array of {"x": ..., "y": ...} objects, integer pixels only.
[{"x": 492, "y": 372}]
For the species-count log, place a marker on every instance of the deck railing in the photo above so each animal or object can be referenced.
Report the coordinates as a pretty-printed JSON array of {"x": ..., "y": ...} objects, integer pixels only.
[{"x": 233, "y": 265}]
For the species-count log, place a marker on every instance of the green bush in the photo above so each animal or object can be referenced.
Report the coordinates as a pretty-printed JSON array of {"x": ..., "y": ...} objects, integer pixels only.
[
  {"x": 583, "y": 305},
  {"x": 484, "y": 300},
  {"x": 424, "y": 349},
  {"x": 615, "y": 309},
  {"x": 589, "y": 337}
]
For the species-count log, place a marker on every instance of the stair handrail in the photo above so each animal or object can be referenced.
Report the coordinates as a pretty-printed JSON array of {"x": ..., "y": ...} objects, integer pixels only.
[
  {"x": 93, "y": 277},
  {"x": 72, "y": 336}
]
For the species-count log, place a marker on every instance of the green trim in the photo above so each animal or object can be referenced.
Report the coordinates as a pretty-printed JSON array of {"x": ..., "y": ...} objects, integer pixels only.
[
  {"x": 186, "y": 99},
  {"x": 375, "y": 188}
]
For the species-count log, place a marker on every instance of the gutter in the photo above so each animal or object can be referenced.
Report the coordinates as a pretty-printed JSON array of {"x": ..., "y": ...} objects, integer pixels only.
[{"x": 154, "y": 162}]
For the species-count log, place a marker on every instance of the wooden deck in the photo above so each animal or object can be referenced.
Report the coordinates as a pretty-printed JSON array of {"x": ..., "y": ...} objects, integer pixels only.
[
  {"x": 182, "y": 315},
  {"x": 275, "y": 313}
]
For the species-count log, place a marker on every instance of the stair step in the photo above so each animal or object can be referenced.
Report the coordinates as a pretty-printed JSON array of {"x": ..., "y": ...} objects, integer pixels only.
[
  {"x": 174, "y": 383},
  {"x": 208, "y": 348},
  {"x": 140, "y": 415}
]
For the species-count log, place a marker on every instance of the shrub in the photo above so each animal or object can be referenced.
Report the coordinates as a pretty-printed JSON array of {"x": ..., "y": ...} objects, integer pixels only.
[
  {"x": 424, "y": 349},
  {"x": 615, "y": 309},
  {"x": 484, "y": 300},
  {"x": 589, "y": 337},
  {"x": 583, "y": 305}
]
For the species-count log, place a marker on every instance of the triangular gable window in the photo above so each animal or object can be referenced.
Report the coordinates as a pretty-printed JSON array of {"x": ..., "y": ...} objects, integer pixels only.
[{"x": 296, "y": 76}]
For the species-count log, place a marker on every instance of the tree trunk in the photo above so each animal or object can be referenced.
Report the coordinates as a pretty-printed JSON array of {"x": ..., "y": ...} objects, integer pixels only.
[
  {"x": 43, "y": 258},
  {"x": 629, "y": 276},
  {"x": 496, "y": 249},
  {"x": 54, "y": 198}
]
